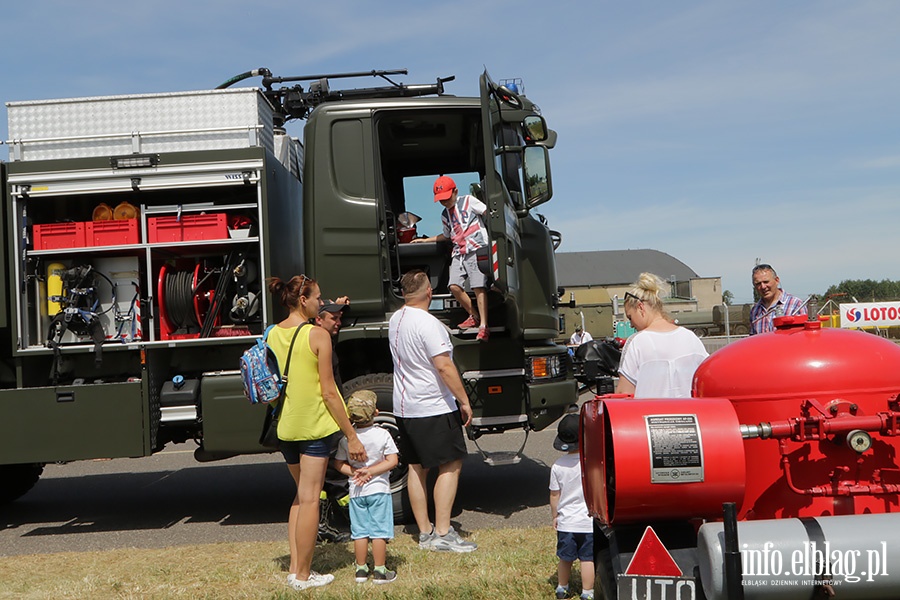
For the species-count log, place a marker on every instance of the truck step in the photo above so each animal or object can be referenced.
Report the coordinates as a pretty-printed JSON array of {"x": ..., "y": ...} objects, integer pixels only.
[
  {"x": 502, "y": 458},
  {"x": 473, "y": 331}
]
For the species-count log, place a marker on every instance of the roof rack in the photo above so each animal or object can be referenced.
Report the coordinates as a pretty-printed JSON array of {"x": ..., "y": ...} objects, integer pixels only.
[{"x": 293, "y": 102}]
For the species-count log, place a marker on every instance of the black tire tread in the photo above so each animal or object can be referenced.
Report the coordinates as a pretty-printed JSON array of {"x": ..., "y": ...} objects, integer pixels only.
[{"x": 18, "y": 480}]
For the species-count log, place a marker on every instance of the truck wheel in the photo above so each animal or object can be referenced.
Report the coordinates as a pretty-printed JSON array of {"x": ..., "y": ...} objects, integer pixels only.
[
  {"x": 740, "y": 329},
  {"x": 383, "y": 386},
  {"x": 17, "y": 480},
  {"x": 700, "y": 331}
]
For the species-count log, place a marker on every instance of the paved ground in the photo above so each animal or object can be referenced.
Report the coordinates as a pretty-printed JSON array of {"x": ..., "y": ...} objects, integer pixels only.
[{"x": 170, "y": 499}]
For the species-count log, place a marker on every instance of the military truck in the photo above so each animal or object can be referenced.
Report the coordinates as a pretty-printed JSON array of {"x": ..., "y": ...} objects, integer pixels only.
[
  {"x": 140, "y": 231},
  {"x": 715, "y": 322}
]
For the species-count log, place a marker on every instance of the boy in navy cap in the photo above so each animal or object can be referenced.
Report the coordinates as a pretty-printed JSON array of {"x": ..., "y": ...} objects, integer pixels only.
[{"x": 574, "y": 529}]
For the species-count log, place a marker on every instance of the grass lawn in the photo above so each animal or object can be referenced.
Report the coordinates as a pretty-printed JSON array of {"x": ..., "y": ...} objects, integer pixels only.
[{"x": 509, "y": 563}]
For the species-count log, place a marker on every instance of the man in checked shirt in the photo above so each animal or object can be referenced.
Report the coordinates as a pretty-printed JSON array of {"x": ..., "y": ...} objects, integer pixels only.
[{"x": 773, "y": 301}]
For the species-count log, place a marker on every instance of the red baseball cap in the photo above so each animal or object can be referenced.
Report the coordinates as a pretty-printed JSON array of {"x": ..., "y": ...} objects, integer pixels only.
[{"x": 443, "y": 188}]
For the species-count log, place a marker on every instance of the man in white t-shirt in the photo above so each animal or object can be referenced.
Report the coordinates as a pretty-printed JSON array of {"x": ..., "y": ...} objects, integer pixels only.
[
  {"x": 580, "y": 336},
  {"x": 427, "y": 390}
]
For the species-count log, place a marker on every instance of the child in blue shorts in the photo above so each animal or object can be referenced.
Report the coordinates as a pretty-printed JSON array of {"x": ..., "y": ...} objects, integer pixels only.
[
  {"x": 574, "y": 529},
  {"x": 371, "y": 508}
]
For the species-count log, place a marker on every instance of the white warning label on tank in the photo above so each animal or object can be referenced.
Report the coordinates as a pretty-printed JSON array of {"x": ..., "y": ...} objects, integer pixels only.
[{"x": 676, "y": 451}]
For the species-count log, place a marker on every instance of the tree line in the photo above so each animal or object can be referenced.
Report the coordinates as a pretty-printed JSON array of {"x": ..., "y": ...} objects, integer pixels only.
[{"x": 864, "y": 290}]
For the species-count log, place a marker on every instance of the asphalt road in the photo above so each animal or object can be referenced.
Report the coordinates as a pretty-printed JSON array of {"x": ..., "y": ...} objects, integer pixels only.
[{"x": 169, "y": 499}]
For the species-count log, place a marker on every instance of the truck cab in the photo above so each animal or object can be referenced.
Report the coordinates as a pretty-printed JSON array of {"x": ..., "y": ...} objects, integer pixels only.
[{"x": 376, "y": 148}]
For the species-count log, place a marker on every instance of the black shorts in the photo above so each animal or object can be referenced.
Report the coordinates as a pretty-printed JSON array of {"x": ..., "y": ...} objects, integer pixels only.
[{"x": 431, "y": 441}]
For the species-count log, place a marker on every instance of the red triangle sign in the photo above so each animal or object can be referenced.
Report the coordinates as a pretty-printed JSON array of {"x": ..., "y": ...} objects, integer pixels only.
[{"x": 652, "y": 558}]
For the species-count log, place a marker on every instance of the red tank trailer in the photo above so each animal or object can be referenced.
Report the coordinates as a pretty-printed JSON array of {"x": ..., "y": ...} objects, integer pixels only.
[{"x": 797, "y": 432}]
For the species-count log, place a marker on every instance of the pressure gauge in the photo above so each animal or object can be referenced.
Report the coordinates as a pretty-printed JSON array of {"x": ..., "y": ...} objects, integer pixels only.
[{"x": 859, "y": 440}]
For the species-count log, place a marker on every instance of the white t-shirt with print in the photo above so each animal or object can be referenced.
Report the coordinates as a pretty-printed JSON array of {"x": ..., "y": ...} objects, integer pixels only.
[
  {"x": 416, "y": 337},
  {"x": 463, "y": 225}
]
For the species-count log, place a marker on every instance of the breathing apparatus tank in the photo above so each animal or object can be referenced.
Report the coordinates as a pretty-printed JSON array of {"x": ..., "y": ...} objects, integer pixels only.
[{"x": 54, "y": 287}]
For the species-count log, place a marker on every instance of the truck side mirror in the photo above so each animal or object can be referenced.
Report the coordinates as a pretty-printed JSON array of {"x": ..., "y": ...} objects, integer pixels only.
[
  {"x": 536, "y": 167},
  {"x": 535, "y": 128}
]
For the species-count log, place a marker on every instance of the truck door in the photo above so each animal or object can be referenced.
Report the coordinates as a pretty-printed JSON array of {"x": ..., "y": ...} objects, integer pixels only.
[
  {"x": 501, "y": 188},
  {"x": 517, "y": 171}
]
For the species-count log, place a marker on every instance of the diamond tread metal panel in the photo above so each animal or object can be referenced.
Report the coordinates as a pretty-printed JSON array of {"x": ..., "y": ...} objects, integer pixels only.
[{"x": 144, "y": 123}]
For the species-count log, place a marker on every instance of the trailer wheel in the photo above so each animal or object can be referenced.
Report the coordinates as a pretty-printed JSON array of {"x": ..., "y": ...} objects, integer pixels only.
[
  {"x": 604, "y": 577},
  {"x": 383, "y": 386},
  {"x": 17, "y": 480}
]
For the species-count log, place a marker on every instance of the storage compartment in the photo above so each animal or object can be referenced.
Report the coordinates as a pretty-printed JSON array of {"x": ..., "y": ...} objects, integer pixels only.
[
  {"x": 230, "y": 423},
  {"x": 188, "y": 228},
  {"x": 85, "y": 282},
  {"x": 104, "y": 289},
  {"x": 58, "y": 235},
  {"x": 112, "y": 233},
  {"x": 74, "y": 422}
]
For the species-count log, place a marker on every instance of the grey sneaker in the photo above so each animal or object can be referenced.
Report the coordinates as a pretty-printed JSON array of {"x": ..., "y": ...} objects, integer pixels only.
[
  {"x": 315, "y": 580},
  {"x": 452, "y": 543},
  {"x": 426, "y": 539},
  {"x": 362, "y": 575},
  {"x": 386, "y": 577}
]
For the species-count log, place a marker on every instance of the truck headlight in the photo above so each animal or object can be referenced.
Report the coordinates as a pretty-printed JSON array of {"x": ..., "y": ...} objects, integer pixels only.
[{"x": 545, "y": 367}]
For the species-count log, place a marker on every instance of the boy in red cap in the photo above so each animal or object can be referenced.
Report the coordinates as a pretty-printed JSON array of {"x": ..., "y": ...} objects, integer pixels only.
[{"x": 461, "y": 220}]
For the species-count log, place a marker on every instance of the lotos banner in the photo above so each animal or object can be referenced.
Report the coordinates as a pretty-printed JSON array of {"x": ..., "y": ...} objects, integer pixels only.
[{"x": 870, "y": 314}]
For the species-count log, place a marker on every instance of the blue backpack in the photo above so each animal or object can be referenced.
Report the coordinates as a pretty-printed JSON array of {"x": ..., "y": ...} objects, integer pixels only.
[{"x": 262, "y": 379}]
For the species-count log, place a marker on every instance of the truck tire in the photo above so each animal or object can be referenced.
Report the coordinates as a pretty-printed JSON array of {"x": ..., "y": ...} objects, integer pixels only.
[
  {"x": 740, "y": 329},
  {"x": 383, "y": 386},
  {"x": 17, "y": 480}
]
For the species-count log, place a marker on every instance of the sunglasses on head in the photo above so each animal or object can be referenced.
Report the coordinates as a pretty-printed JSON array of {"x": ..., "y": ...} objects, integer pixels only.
[
  {"x": 303, "y": 280},
  {"x": 630, "y": 295}
]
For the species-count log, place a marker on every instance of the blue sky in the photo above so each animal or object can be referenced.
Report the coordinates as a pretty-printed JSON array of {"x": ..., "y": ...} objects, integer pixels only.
[{"x": 717, "y": 132}]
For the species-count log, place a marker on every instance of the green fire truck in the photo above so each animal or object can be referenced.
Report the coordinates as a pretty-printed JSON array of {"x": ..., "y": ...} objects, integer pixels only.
[{"x": 140, "y": 230}]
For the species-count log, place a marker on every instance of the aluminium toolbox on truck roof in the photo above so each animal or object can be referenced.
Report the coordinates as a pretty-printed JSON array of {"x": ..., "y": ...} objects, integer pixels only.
[{"x": 139, "y": 123}]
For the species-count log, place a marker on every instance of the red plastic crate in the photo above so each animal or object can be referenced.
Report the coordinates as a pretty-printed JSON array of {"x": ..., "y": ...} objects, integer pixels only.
[
  {"x": 58, "y": 235},
  {"x": 191, "y": 228},
  {"x": 112, "y": 233}
]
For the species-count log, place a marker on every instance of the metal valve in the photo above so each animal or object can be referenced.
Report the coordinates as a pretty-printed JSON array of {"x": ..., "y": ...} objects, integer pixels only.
[{"x": 859, "y": 440}]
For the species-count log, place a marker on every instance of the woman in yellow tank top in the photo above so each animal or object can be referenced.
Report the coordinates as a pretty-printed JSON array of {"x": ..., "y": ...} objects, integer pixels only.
[{"x": 312, "y": 421}]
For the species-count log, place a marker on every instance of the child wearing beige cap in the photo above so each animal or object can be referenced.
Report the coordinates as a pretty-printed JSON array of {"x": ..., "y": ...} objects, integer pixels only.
[{"x": 371, "y": 507}]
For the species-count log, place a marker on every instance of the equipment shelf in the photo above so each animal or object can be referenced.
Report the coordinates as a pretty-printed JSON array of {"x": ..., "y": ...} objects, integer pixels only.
[{"x": 127, "y": 282}]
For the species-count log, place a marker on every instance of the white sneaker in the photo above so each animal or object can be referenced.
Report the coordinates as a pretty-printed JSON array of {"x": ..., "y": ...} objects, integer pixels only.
[
  {"x": 451, "y": 542},
  {"x": 426, "y": 539},
  {"x": 315, "y": 580}
]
